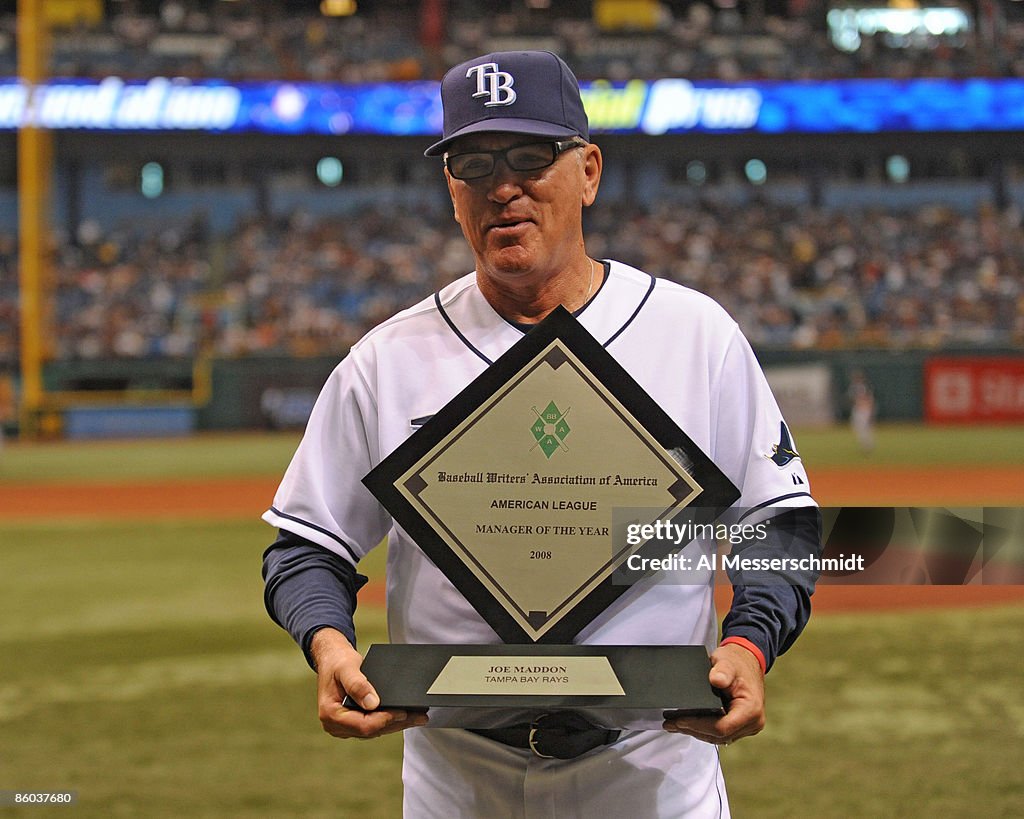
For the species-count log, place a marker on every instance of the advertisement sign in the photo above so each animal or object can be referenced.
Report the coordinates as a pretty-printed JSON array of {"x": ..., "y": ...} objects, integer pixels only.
[
  {"x": 974, "y": 390},
  {"x": 671, "y": 105}
]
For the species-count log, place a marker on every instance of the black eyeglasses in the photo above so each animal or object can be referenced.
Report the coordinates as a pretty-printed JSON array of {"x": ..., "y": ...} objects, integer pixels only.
[{"x": 532, "y": 157}]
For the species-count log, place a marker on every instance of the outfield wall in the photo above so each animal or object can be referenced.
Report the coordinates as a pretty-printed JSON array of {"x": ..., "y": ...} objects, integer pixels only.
[{"x": 277, "y": 392}]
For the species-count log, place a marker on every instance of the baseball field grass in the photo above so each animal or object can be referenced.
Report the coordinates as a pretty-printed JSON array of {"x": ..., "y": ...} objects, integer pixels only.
[{"x": 138, "y": 668}]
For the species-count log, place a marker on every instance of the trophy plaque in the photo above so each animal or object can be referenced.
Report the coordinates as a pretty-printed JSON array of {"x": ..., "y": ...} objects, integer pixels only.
[{"x": 510, "y": 490}]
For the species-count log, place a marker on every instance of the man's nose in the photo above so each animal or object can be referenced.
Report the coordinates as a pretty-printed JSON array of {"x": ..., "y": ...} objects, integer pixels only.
[{"x": 504, "y": 183}]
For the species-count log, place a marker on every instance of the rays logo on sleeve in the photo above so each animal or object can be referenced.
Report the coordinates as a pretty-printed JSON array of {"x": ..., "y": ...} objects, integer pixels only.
[{"x": 784, "y": 451}]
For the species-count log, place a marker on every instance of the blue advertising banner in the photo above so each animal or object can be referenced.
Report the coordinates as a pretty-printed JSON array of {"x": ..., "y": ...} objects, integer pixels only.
[{"x": 414, "y": 108}]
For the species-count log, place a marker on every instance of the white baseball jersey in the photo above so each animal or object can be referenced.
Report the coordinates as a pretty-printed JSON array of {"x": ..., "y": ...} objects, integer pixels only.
[{"x": 691, "y": 358}]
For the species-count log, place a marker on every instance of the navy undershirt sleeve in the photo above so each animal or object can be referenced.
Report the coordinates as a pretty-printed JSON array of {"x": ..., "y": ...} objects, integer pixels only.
[
  {"x": 772, "y": 614},
  {"x": 308, "y": 587}
]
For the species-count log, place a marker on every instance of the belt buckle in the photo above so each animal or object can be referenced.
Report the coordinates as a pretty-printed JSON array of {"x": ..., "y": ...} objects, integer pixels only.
[{"x": 532, "y": 740}]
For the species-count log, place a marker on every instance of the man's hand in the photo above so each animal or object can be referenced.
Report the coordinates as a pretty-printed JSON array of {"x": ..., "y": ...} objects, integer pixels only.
[
  {"x": 338, "y": 673},
  {"x": 735, "y": 671}
]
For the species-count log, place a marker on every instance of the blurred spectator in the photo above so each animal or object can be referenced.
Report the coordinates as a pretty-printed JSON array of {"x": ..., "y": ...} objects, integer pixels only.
[
  {"x": 385, "y": 41},
  {"x": 792, "y": 277},
  {"x": 126, "y": 296}
]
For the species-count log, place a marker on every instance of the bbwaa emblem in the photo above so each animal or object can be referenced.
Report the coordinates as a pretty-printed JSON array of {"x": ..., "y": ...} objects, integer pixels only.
[{"x": 550, "y": 429}]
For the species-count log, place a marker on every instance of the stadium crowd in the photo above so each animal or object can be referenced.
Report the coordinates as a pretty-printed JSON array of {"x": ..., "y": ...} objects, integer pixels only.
[
  {"x": 792, "y": 277},
  {"x": 277, "y": 40}
]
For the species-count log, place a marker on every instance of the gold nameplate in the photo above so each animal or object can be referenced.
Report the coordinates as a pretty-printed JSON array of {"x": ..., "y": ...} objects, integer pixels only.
[{"x": 541, "y": 676}]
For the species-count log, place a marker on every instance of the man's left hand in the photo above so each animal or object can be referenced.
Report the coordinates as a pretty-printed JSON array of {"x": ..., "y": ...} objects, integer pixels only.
[{"x": 736, "y": 672}]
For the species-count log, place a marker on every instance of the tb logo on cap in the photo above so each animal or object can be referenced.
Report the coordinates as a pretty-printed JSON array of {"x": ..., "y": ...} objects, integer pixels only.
[{"x": 490, "y": 82}]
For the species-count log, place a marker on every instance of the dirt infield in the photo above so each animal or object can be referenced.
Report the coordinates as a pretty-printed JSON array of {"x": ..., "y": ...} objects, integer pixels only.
[
  {"x": 853, "y": 599},
  {"x": 924, "y": 486},
  {"x": 248, "y": 498},
  {"x": 850, "y": 599},
  {"x": 219, "y": 498}
]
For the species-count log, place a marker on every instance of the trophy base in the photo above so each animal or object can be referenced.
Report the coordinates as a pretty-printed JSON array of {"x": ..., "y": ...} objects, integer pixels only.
[{"x": 493, "y": 686}]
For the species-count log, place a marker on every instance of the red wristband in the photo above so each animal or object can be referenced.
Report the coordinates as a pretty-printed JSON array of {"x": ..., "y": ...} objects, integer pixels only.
[{"x": 749, "y": 646}]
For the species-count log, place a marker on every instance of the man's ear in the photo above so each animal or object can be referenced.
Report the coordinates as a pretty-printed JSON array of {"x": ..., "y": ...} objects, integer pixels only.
[
  {"x": 451, "y": 193},
  {"x": 593, "y": 163}
]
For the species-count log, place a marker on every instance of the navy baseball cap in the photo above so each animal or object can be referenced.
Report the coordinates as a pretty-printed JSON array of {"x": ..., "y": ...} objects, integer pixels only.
[{"x": 518, "y": 92}]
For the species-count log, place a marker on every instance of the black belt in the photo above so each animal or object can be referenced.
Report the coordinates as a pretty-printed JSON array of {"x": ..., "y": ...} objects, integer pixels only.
[{"x": 563, "y": 735}]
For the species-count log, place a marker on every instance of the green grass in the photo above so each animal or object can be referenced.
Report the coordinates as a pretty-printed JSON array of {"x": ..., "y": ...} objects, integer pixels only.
[
  {"x": 914, "y": 445},
  {"x": 913, "y": 715},
  {"x": 267, "y": 454},
  {"x": 199, "y": 456},
  {"x": 137, "y": 666}
]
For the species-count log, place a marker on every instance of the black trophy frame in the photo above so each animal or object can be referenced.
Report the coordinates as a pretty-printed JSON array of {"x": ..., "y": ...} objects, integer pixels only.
[{"x": 718, "y": 492}]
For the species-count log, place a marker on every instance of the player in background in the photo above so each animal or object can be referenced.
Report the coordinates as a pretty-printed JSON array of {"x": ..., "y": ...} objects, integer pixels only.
[
  {"x": 862, "y": 411},
  {"x": 520, "y": 168}
]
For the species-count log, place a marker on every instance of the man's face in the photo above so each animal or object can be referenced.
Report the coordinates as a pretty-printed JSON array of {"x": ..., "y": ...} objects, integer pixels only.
[{"x": 522, "y": 222}]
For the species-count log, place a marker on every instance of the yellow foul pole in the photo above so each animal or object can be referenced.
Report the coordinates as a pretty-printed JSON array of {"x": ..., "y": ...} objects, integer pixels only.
[{"x": 34, "y": 169}]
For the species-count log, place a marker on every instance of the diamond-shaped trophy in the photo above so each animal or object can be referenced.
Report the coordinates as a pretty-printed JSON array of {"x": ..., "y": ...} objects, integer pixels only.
[{"x": 515, "y": 490}]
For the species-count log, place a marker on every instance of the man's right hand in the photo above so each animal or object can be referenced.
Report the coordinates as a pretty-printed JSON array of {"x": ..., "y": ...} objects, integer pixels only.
[{"x": 338, "y": 673}]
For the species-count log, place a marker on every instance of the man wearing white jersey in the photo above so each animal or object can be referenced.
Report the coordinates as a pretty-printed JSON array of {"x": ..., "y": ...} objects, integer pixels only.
[{"x": 520, "y": 169}]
